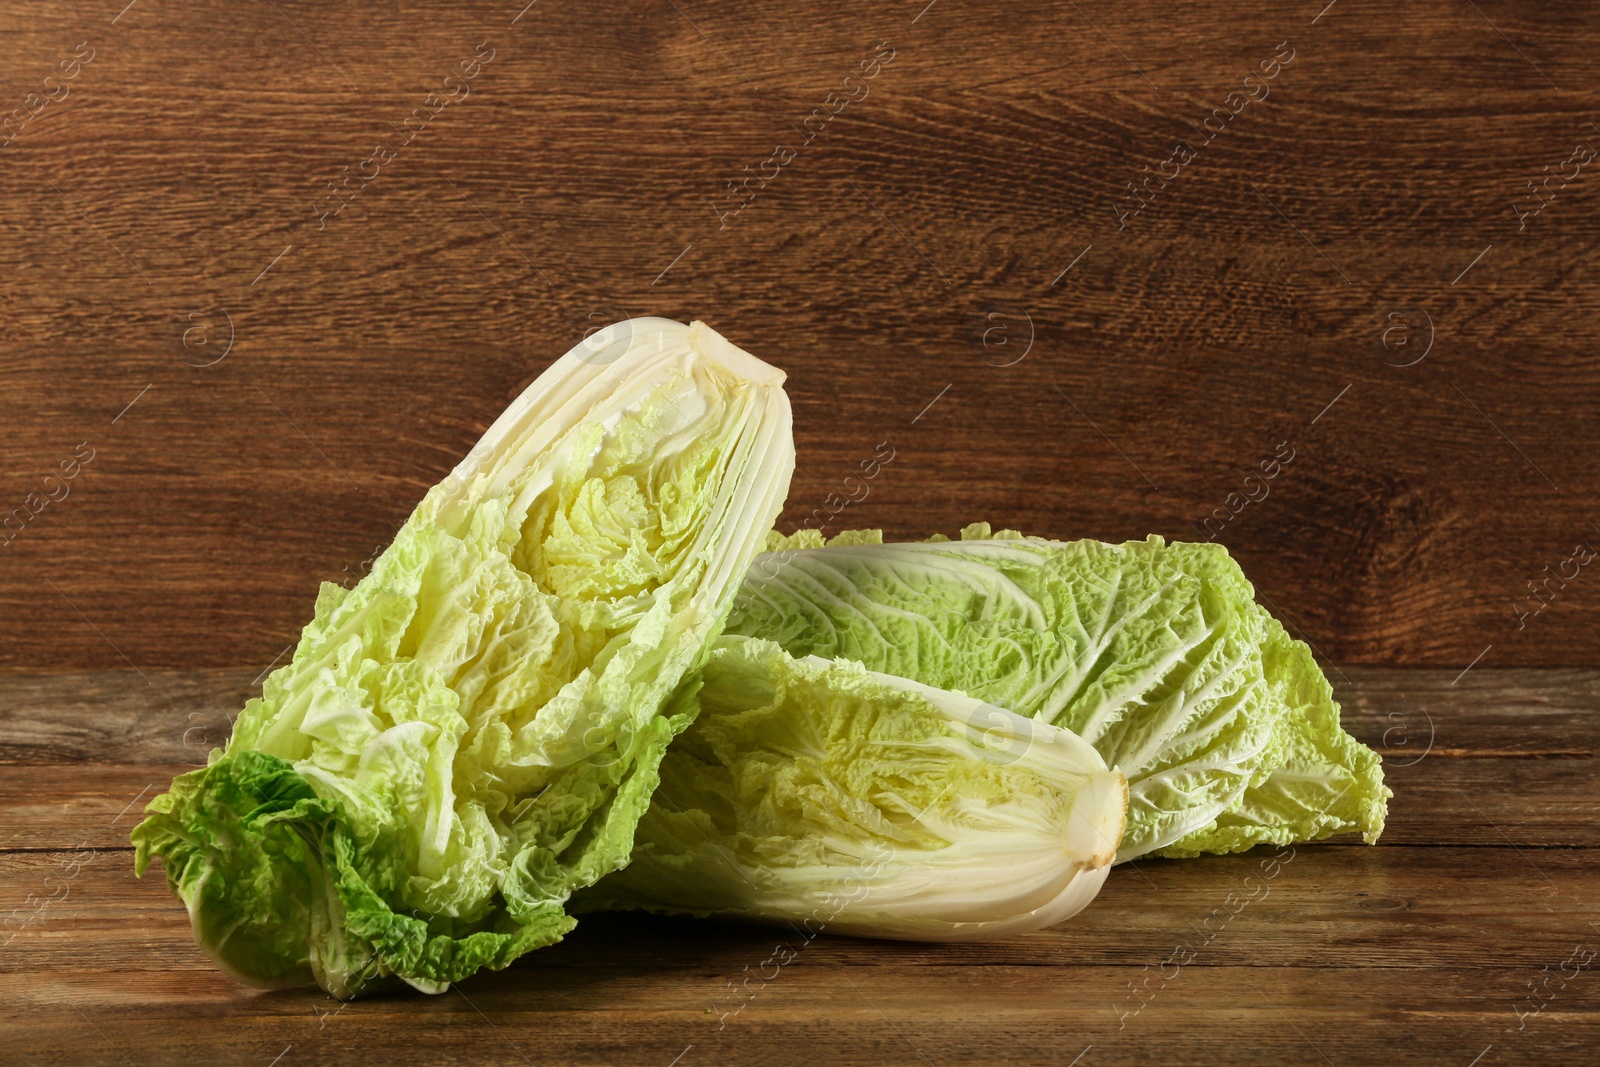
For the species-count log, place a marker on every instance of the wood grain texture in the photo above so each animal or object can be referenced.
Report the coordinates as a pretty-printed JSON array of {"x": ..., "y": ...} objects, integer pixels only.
[
  {"x": 173, "y": 192},
  {"x": 1421, "y": 948},
  {"x": 265, "y": 394}
]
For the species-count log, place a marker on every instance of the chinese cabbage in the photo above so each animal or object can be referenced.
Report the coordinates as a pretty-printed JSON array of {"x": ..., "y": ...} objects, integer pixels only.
[
  {"x": 816, "y": 792},
  {"x": 472, "y": 732},
  {"x": 1156, "y": 653}
]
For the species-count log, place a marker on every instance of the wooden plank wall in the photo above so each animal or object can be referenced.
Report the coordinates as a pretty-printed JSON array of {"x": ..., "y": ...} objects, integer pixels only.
[{"x": 250, "y": 391}]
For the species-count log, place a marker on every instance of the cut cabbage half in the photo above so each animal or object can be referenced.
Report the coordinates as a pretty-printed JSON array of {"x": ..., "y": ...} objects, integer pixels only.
[
  {"x": 472, "y": 732},
  {"x": 818, "y": 793}
]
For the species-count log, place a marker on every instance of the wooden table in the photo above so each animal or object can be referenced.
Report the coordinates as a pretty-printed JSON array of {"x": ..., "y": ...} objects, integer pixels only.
[
  {"x": 271, "y": 266},
  {"x": 1422, "y": 949}
]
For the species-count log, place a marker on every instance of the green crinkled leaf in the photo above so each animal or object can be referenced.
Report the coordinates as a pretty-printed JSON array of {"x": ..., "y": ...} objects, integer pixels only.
[
  {"x": 240, "y": 841},
  {"x": 1320, "y": 780}
]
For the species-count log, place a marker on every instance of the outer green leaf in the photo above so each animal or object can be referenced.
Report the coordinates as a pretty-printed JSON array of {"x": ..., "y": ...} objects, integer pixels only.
[
  {"x": 240, "y": 841},
  {"x": 1320, "y": 781}
]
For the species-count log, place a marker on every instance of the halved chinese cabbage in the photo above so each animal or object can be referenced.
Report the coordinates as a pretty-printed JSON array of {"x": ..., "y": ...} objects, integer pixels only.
[
  {"x": 816, "y": 792},
  {"x": 472, "y": 732},
  {"x": 1155, "y": 653}
]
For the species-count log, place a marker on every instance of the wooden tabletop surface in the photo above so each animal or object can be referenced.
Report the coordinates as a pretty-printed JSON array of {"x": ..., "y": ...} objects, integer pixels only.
[
  {"x": 1089, "y": 269},
  {"x": 1468, "y": 935}
]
